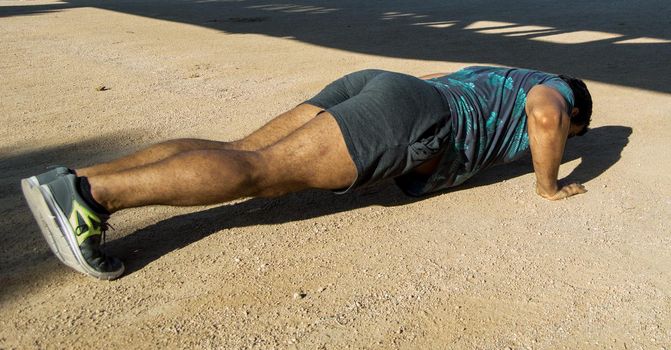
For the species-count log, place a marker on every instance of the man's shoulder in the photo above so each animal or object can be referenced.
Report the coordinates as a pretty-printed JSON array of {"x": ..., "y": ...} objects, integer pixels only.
[{"x": 544, "y": 101}]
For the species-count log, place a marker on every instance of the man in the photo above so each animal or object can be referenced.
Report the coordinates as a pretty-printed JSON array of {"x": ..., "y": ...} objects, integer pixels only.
[{"x": 367, "y": 126}]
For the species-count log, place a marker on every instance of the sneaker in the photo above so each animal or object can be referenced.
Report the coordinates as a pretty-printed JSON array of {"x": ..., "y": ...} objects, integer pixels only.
[
  {"x": 49, "y": 176},
  {"x": 74, "y": 232}
]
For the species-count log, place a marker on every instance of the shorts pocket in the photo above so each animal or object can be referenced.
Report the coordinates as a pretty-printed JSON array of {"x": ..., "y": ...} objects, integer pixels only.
[{"x": 430, "y": 143}]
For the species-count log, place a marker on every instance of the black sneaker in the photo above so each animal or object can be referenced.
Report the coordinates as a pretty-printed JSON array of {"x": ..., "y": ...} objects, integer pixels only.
[{"x": 72, "y": 229}]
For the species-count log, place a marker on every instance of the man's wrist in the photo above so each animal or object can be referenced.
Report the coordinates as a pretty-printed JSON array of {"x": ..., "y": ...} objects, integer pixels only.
[{"x": 547, "y": 191}]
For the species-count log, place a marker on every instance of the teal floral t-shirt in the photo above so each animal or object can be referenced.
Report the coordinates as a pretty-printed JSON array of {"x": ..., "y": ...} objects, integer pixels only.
[{"x": 488, "y": 119}]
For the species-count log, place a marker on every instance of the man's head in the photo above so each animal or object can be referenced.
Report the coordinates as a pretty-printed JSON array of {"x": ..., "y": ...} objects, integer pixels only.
[{"x": 582, "y": 111}]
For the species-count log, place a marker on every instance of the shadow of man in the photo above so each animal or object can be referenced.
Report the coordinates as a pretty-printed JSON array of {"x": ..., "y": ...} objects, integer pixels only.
[{"x": 599, "y": 151}]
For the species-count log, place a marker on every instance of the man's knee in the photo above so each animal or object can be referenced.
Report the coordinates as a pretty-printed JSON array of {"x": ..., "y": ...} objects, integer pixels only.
[{"x": 271, "y": 175}]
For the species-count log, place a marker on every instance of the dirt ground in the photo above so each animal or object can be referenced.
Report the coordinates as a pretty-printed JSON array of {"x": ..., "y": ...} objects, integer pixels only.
[{"x": 488, "y": 265}]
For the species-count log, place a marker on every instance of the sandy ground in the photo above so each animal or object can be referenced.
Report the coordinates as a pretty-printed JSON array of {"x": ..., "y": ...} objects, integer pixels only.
[{"x": 486, "y": 266}]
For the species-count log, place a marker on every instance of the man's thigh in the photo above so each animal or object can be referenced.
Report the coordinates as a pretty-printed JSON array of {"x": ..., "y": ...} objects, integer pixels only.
[
  {"x": 313, "y": 156},
  {"x": 277, "y": 128}
]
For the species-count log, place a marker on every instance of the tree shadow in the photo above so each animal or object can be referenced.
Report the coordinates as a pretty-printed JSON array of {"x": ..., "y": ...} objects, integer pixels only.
[
  {"x": 628, "y": 43},
  {"x": 599, "y": 150}
]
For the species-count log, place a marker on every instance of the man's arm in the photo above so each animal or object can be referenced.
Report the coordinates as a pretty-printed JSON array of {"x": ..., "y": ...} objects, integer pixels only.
[{"x": 548, "y": 127}]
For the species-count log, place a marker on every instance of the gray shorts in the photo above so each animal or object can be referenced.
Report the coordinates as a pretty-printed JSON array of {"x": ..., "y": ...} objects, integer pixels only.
[{"x": 391, "y": 122}]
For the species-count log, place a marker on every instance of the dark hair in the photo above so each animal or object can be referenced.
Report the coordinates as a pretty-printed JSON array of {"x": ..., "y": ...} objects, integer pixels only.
[{"x": 583, "y": 101}]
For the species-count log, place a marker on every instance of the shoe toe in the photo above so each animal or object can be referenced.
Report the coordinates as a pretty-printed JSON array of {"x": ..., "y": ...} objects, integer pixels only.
[{"x": 97, "y": 259}]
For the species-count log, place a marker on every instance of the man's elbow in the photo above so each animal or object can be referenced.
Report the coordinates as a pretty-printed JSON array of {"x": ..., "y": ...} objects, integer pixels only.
[{"x": 547, "y": 118}]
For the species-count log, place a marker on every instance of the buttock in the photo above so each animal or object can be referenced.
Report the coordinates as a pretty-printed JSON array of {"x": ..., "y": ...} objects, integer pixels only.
[{"x": 391, "y": 122}]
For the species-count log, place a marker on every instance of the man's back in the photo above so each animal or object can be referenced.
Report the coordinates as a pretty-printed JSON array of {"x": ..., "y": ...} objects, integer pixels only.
[{"x": 488, "y": 119}]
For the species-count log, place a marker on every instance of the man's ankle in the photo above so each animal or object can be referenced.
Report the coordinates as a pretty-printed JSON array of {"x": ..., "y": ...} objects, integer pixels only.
[{"x": 84, "y": 189}]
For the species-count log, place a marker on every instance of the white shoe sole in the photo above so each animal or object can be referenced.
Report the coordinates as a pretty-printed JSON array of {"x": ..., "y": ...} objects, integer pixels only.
[{"x": 56, "y": 230}]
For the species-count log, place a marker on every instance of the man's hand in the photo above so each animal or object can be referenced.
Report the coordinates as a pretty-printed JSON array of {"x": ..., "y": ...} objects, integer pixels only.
[{"x": 564, "y": 192}]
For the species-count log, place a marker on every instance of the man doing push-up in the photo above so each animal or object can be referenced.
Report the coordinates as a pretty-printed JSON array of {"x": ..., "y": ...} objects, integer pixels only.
[{"x": 428, "y": 134}]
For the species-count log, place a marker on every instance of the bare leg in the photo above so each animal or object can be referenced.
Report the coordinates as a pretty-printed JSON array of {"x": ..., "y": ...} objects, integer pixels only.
[
  {"x": 276, "y": 129},
  {"x": 313, "y": 156}
]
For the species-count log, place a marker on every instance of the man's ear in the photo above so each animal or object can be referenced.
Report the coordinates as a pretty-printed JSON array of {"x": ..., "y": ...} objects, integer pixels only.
[{"x": 574, "y": 112}]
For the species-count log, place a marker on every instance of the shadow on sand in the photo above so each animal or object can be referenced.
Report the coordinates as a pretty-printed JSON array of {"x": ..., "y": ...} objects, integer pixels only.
[
  {"x": 628, "y": 43},
  {"x": 599, "y": 150},
  {"x": 25, "y": 258},
  {"x": 532, "y": 34}
]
